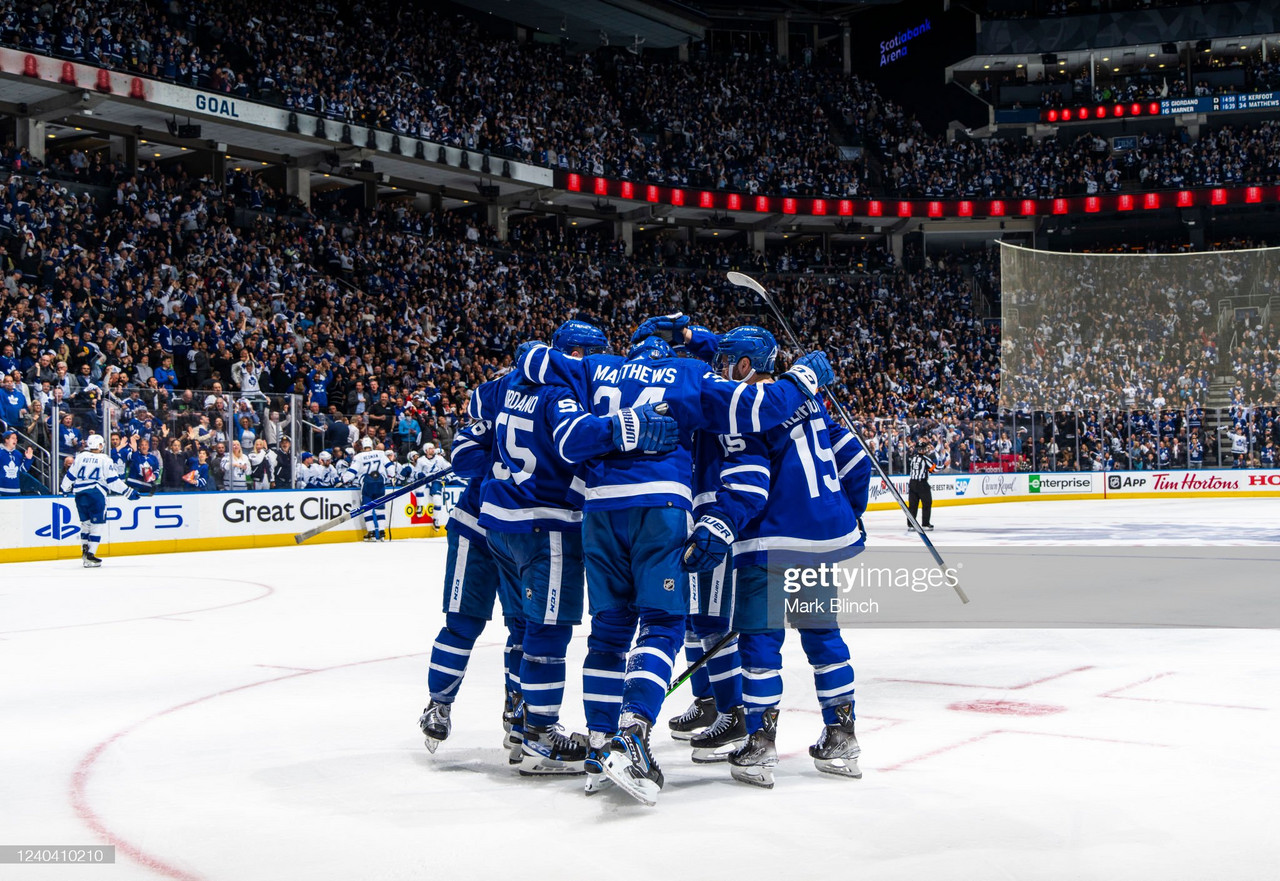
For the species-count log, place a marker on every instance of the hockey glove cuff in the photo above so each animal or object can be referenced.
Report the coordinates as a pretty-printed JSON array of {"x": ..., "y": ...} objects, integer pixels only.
[
  {"x": 132, "y": 494},
  {"x": 710, "y": 541},
  {"x": 810, "y": 372},
  {"x": 644, "y": 429}
]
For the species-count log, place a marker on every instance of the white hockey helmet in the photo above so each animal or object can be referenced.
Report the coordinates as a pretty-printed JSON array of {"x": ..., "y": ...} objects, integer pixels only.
[
  {"x": 366, "y": 444},
  {"x": 429, "y": 449},
  {"x": 326, "y": 456},
  {"x": 94, "y": 443},
  {"x": 413, "y": 454}
]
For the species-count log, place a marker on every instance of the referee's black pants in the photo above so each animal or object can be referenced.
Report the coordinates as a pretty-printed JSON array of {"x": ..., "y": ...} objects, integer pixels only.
[{"x": 920, "y": 493}]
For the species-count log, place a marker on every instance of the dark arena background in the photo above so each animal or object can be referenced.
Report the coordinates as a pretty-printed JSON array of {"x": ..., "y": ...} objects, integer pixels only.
[{"x": 278, "y": 481}]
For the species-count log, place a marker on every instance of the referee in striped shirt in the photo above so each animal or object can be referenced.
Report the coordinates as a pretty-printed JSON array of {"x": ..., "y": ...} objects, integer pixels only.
[{"x": 920, "y": 466}]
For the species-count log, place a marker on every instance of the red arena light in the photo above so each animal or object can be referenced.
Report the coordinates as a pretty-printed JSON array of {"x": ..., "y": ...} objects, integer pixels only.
[
  {"x": 602, "y": 187},
  {"x": 1150, "y": 201},
  {"x": 651, "y": 193},
  {"x": 762, "y": 203},
  {"x": 996, "y": 209},
  {"x": 1100, "y": 112},
  {"x": 845, "y": 208},
  {"x": 574, "y": 183},
  {"x": 965, "y": 209},
  {"x": 1118, "y": 110},
  {"x": 1059, "y": 206},
  {"x": 677, "y": 197},
  {"x": 1052, "y": 115},
  {"x": 1092, "y": 204},
  {"x": 1135, "y": 109},
  {"x": 1027, "y": 208},
  {"x": 1125, "y": 203},
  {"x": 1066, "y": 114},
  {"x": 874, "y": 209},
  {"x": 706, "y": 200},
  {"x": 735, "y": 202},
  {"x": 628, "y": 190},
  {"x": 904, "y": 209},
  {"x": 1218, "y": 197},
  {"x": 788, "y": 206},
  {"x": 1253, "y": 194},
  {"x": 1153, "y": 108},
  {"x": 1185, "y": 199},
  {"x": 935, "y": 209},
  {"x": 819, "y": 207}
]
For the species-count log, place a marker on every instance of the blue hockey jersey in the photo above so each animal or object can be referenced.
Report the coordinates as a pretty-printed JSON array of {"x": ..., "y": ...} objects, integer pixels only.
[
  {"x": 539, "y": 434},
  {"x": 798, "y": 487},
  {"x": 697, "y": 398},
  {"x": 472, "y": 458}
]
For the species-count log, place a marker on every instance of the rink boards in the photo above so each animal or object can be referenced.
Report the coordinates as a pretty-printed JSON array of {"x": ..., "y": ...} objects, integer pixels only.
[
  {"x": 976, "y": 489},
  {"x": 47, "y": 528}
]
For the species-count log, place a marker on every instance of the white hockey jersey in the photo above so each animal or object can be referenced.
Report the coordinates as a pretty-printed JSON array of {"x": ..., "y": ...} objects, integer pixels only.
[{"x": 93, "y": 471}]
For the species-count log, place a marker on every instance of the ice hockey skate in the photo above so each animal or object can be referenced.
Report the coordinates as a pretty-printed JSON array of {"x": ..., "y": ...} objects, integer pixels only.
[
  {"x": 629, "y": 762},
  {"x": 90, "y": 561},
  {"x": 597, "y": 749},
  {"x": 755, "y": 761},
  {"x": 837, "y": 750},
  {"x": 701, "y": 713},
  {"x": 547, "y": 750},
  {"x": 726, "y": 735},
  {"x": 435, "y": 724}
]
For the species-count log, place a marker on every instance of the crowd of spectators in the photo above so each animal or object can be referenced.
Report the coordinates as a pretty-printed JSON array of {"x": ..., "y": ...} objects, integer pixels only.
[
  {"x": 748, "y": 124},
  {"x": 208, "y": 342}
]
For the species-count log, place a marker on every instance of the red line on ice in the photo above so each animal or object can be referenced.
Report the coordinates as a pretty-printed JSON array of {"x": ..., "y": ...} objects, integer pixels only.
[
  {"x": 1115, "y": 693},
  {"x": 267, "y": 590},
  {"x": 84, "y": 770},
  {"x": 984, "y": 735},
  {"x": 1001, "y": 687}
]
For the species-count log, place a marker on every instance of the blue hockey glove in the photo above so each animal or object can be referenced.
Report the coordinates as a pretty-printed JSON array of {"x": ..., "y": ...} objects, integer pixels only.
[
  {"x": 710, "y": 541},
  {"x": 132, "y": 494},
  {"x": 644, "y": 429},
  {"x": 668, "y": 327},
  {"x": 810, "y": 372}
]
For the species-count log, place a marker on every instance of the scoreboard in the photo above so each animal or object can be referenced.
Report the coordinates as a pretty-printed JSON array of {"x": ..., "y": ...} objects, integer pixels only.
[{"x": 1163, "y": 107}]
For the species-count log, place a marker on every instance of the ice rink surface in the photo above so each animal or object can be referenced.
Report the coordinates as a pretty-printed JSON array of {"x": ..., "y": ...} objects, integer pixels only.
[{"x": 253, "y": 715}]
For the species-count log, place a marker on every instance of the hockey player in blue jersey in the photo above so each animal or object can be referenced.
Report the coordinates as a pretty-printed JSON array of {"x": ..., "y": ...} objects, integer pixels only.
[
  {"x": 532, "y": 509},
  {"x": 635, "y": 521},
  {"x": 371, "y": 469},
  {"x": 799, "y": 487},
  {"x": 90, "y": 478},
  {"x": 471, "y": 582}
]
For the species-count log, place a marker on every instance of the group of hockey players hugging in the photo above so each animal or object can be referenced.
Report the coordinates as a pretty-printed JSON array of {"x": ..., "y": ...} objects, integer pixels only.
[{"x": 664, "y": 477}]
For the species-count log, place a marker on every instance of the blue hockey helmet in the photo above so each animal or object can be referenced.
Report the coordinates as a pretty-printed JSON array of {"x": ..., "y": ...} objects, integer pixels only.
[
  {"x": 651, "y": 348},
  {"x": 576, "y": 334},
  {"x": 748, "y": 341}
]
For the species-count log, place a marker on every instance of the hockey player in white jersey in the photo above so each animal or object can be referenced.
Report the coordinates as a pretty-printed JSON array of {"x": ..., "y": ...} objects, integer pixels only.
[
  {"x": 309, "y": 474},
  {"x": 433, "y": 462},
  {"x": 90, "y": 478},
  {"x": 326, "y": 475},
  {"x": 370, "y": 469}
]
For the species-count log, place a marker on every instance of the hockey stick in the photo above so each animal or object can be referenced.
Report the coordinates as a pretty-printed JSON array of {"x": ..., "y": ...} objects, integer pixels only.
[
  {"x": 746, "y": 281},
  {"x": 701, "y": 662},
  {"x": 369, "y": 506}
]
